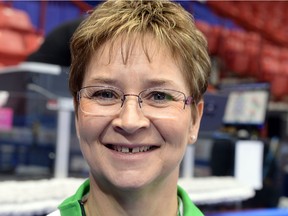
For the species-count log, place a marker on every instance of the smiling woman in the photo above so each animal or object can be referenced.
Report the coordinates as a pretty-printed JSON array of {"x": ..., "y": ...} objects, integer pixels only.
[{"x": 139, "y": 71}]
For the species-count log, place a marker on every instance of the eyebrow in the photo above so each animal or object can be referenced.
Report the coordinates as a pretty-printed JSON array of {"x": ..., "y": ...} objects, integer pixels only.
[
  {"x": 103, "y": 81},
  {"x": 159, "y": 82},
  {"x": 148, "y": 83}
]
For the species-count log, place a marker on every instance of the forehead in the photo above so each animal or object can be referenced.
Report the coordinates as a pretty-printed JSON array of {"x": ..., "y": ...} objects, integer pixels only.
[
  {"x": 127, "y": 48},
  {"x": 131, "y": 46}
]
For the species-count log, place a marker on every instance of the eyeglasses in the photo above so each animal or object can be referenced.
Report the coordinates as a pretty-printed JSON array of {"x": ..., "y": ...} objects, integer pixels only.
[{"x": 108, "y": 101}]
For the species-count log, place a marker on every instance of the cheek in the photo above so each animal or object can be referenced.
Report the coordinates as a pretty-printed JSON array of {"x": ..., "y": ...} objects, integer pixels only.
[
  {"x": 89, "y": 128},
  {"x": 85, "y": 129},
  {"x": 175, "y": 132}
]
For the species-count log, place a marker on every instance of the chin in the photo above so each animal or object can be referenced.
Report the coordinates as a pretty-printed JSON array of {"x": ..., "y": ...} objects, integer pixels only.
[{"x": 128, "y": 182}]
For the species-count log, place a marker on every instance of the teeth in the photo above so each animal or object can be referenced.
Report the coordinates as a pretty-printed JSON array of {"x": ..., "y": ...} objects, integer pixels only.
[
  {"x": 146, "y": 148},
  {"x": 124, "y": 149},
  {"x": 131, "y": 150},
  {"x": 135, "y": 150}
]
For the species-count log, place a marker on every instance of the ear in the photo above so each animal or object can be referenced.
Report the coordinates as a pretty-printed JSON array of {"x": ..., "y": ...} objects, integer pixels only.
[
  {"x": 195, "y": 123},
  {"x": 75, "y": 103},
  {"x": 77, "y": 127}
]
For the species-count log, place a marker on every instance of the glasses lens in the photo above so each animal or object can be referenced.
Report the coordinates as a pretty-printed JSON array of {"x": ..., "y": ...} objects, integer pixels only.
[
  {"x": 162, "y": 103},
  {"x": 100, "y": 101}
]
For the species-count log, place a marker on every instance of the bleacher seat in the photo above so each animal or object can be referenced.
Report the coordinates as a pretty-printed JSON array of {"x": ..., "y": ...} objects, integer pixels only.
[
  {"x": 18, "y": 37},
  {"x": 279, "y": 87},
  {"x": 15, "y": 19},
  {"x": 32, "y": 42},
  {"x": 11, "y": 42}
]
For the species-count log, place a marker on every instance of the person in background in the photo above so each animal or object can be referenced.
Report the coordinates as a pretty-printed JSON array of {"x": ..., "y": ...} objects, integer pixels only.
[
  {"x": 55, "y": 47},
  {"x": 139, "y": 71}
]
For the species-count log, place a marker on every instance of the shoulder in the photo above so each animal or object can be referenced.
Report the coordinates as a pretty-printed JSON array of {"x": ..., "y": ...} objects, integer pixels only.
[
  {"x": 71, "y": 205},
  {"x": 188, "y": 206}
]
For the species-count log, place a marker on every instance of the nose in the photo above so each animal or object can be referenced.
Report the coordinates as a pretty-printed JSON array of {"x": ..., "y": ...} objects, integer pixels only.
[
  {"x": 131, "y": 117},
  {"x": 134, "y": 95}
]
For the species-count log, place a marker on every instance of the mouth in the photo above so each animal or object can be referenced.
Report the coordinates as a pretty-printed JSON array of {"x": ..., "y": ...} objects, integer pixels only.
[{"x": 134, "y": 150}]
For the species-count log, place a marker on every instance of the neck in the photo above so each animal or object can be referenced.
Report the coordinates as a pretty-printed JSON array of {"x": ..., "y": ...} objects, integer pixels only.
[{"x": 160, "y": 199}]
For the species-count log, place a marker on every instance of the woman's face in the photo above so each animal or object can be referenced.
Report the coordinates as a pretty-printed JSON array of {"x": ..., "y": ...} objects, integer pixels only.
[{"x": 158, "y": 143}]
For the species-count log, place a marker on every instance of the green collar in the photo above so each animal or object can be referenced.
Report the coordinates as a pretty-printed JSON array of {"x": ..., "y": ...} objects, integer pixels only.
[{"x": 72, "y": 207}]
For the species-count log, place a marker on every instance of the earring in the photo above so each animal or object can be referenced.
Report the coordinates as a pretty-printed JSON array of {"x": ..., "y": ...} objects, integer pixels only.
[{"x": 193, "y": 138}]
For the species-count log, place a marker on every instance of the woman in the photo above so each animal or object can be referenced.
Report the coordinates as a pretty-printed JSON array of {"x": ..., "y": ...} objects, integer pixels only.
[{"x": 139, "y": 70}]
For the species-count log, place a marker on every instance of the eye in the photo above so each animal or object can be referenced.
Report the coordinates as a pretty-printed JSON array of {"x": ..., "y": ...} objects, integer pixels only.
[
  {"x": 102, "y": 94},
  {"x": 159, "y": 96},
  {"x": 105, "y": 93}
]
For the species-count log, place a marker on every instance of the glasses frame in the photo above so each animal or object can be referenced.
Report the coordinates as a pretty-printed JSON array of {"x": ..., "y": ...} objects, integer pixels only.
[{"x": 187, "y": 100}]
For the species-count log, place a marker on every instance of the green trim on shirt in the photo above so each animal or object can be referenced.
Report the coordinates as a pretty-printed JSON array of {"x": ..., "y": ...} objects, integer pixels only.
[
  {"x": 188, "y": 207},
  {"x": 71, "y": 206}
]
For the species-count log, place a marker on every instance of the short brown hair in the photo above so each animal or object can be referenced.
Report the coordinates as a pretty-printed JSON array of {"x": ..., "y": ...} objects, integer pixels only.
[{"x": 168, "y": 22}]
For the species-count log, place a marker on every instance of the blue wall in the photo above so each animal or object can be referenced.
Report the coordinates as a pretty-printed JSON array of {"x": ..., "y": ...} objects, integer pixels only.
[{"x": 58, "y": 12}]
